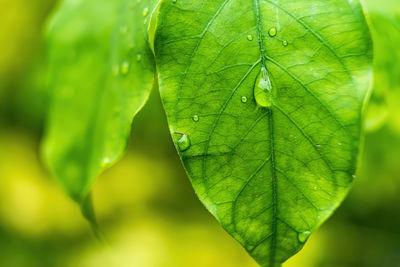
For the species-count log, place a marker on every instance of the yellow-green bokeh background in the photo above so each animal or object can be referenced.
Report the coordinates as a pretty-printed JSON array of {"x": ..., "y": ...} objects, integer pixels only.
[{"x": 145, "y": 204}]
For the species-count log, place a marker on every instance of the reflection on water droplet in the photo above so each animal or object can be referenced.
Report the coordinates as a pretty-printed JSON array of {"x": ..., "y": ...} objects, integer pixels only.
[
  {"x": 263, "y": 89},
  {"x": 303, "y": 236},
  {"x": 145, "y": 12},
  {"x": 196, "y": 118},
  {"x": 244, "y": 99},
  {"x": 125, "y": 67},
  {"x": 250, "y": 37},
  {"x": 272, "y": 32},
  {"x": 183, "y": 142},
  {"x": 285, "y": 43}
]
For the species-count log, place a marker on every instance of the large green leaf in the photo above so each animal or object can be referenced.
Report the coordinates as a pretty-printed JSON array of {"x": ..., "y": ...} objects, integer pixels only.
[
  {"x": 264, "y": 100},
  {"x": 101, "y": 73}
]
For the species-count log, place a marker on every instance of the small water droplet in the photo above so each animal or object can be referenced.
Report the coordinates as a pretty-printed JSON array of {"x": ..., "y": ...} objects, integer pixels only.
[
  {"x": 174, "y": 1},
  {"x": 318, "y": 146},
  {"x": 354, "y": 176},
  {"x": 285, "y": 43},
  {"x": 196, "y": 118},
  {"x": 272, "y": 32},
  {"x": 139, "y": 57},
  {"x": 106, "y": 162},
  {"x": 244, "y": 99},
  {"x": 340, "y": 144},
  {"x": 303, "y": 236},
  {"x": 184, "y": 142},
  {"x": 125, "y": 67},
  {"x": 145, "y": 12},
  {"x": 250, "y": 37},
  {"x": 263, "y": 89}
]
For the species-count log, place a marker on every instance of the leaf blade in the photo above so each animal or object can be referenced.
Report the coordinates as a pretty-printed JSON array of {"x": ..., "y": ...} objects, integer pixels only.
[
  {"x": 98, "y": 85},
  {"x": 269, "y": 175}
]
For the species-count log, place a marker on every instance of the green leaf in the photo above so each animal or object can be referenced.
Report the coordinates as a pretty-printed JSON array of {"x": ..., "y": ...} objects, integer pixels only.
[
  {"x": 384, "y": 17},
  {"x": 101, "y": 73},
  {"x": 264, "y": 100}
]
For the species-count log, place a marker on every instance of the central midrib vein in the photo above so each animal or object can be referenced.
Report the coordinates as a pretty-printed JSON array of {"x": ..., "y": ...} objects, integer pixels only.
[{"x": 261, "y": 43}]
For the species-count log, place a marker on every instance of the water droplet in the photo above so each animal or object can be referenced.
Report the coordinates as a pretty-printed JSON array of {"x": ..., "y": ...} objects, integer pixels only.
[
  {"x": 318, "y": 146},
  {"x": 125, "y": 67},
  {"x": 174, "y": 1},
  {"x": 303, "y": 236},
  {"x": 354, "y": 176},
  {"x": 139, "y": 57},
  {"x": 196, "y": 118},
  {"x": 272, "y": 32},
  {"x": 250, "y": 37},
  {"x": 340, "y": 144},
  {"x": 263, "y": 89},
  {"x": 184, "y": 142},
  {"x": 244, "y": 99},
  {"x": 106, "y": 162},
  {"x": 145, "y": 12},
  {"x": 285, "y": 43}
]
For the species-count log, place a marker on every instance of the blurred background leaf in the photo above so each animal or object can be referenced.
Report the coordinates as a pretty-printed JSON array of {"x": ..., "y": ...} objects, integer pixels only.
[{"x": 145, "y": 203}]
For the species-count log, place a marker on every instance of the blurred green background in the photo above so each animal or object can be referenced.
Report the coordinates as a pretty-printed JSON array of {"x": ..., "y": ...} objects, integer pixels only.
[{"x": 146, "y": 206}]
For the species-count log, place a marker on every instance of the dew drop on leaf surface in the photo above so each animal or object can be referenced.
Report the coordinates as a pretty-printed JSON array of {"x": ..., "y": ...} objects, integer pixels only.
[
  {"x": 272, "y": 32},
  {"x": 263, "y": 89},
  {"x": 184, "y": 142},
  {"x": 196, "y": 118},
  {"x": 145, "y": 12},
  {"x": 303, "y": 236},
  {"x": 125, "y": 67}
]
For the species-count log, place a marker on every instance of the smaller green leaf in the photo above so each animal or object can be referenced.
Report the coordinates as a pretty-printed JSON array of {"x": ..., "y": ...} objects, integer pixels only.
[{"x": 101, "y": 75}]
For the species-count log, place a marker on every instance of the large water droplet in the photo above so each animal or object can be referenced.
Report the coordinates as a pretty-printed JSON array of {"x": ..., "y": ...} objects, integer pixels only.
[
  {"x": 272, "y": 32},
  {"x": 184, "y": 142},
  {"x": 303, "y": 236},
  {"x": 263, "y": 89}
]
